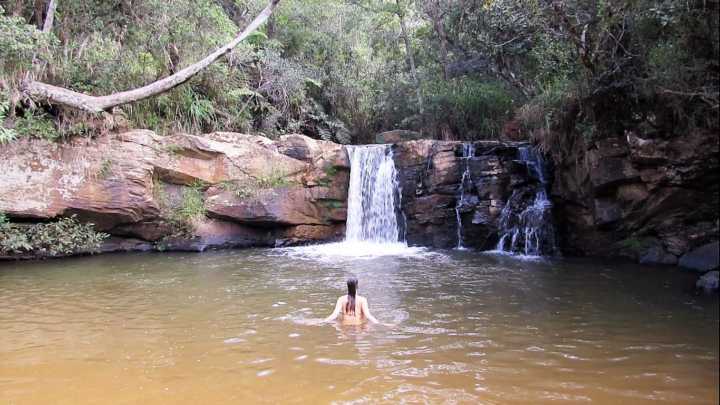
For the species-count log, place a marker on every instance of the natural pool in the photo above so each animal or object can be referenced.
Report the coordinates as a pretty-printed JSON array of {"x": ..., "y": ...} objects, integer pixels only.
[{"x": 227, "y": 327}]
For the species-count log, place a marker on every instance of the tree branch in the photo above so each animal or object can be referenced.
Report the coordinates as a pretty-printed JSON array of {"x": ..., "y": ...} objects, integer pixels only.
[{"x": 95, "y": 104}]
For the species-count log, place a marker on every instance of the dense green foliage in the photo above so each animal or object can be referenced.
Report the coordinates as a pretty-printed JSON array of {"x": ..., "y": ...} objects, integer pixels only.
[
  {"x": 62, "y": 237},
  {"x": 344, "y": 70},
  {"x": 183, "y": 212},
  {"x": 192, "y": 206}
]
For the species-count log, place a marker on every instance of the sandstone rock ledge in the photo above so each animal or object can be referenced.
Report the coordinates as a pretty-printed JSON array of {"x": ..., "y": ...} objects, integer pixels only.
[{"x": 182, "y": 192}]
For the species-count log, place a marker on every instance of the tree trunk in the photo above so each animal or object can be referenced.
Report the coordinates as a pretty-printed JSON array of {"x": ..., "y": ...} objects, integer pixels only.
[
  {"x": 443, "y": 49},
  {"x": 39, "y": 13},
  {"x": 410, "y": 56},
  {"x": 95, "y": 104},
  {"x": 437, "y": 19},
  {"x": 17, "y": 10},
  {"x": 49, "y": 17},
  {"x": 270, "y": 27}
]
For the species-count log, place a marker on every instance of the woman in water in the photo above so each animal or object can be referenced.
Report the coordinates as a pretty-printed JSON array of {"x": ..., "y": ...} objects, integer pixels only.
[{"x": 353, "y": 307}]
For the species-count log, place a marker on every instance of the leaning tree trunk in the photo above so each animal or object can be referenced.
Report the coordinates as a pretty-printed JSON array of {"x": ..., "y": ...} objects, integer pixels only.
[
  {"x": 49, "y": 17},
  {"x": 95, "y": 104}
]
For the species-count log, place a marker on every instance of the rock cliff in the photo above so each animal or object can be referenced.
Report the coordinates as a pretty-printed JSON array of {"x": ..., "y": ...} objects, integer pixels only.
[
  {"x": 182, "y": 192},
  {"x": 431, "y": 174},
  {"x": 653, "y": 200}
]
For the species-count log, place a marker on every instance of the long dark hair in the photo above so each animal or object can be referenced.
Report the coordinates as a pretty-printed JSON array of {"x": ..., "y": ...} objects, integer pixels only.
[{"x": 352, "y": 289}]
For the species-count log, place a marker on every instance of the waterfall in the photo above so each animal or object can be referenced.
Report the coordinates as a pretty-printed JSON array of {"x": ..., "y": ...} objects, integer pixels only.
[
  {"x": 467, "y": 154},
  {"x": 526, "y": 224},
  {"x": 373, "y": 196},
  {"x": 375, "y": 222}
]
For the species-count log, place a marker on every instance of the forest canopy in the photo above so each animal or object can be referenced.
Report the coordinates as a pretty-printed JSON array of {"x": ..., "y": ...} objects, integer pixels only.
[{"x": 343, "y": 70}]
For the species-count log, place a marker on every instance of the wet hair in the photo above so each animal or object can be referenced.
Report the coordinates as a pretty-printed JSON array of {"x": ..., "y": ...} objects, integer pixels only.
[{"x": 352, "y": 290}]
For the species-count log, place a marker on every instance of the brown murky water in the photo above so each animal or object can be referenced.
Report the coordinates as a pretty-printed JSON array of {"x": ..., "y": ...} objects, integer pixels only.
[{"x": 227, "y": 327}]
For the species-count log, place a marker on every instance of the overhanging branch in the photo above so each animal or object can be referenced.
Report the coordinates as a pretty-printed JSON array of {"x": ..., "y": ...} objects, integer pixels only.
[{"x": 95, "y": 104}]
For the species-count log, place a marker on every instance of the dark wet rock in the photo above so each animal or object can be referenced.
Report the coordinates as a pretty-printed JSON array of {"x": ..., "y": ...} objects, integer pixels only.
[
  {"x": 709, "y": 282},
  {"x": 657, "y": 255},
  {"x": 215, "y": 234},
  {"x": 150, "y": 231},
  {"x": 610, "y": 196},
  {"x": 607, "y": 211},
  {"x": 610, "y": 172},
  {"x": 430, "y": 173},
  {"x": 629, "y": 188},
  {"x": 116, "y": 244},
  {"x": 704, "y": 258}
]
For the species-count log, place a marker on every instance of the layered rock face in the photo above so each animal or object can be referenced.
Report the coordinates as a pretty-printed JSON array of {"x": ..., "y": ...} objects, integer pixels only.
[
  {"x": 652, "y": 200},
  {"x": 182, "y": 191},
  {"x": 655, "y": 201},
  {"x": 431, "y": 174}
]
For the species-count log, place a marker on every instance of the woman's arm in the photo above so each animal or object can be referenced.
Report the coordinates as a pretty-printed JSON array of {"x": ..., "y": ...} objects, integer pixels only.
[
  {"x": 336, "y": 311},
  {"x": 366, "y": 311}
]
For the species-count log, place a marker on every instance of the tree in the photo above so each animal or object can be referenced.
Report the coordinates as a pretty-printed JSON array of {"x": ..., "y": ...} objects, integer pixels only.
[
  {"x": 342, "y": 69},
  {"x": 437, "y": 15},
  {"x": 49, "y": 16},
  {"x": 59, "y": 95},
  {"x": 400, "y": 11}
]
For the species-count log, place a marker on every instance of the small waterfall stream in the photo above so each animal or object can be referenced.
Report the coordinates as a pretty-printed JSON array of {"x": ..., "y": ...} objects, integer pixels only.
[
  {"x": 373, "y": 197},
  {"x": 526, "y": 224},
  {"x": 467, "y": 154}
]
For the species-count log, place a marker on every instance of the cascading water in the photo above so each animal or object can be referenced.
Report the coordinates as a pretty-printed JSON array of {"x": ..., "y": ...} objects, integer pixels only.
[
  {"x": 373, "y": 196},
  {"x": 526, "y": 224},
  {"x": 375, "y": 221},
  {"x": 468, "y": 153}
]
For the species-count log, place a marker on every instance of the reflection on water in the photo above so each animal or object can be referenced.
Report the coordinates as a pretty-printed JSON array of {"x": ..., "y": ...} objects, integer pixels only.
[{"x": 230, "y": 327}]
